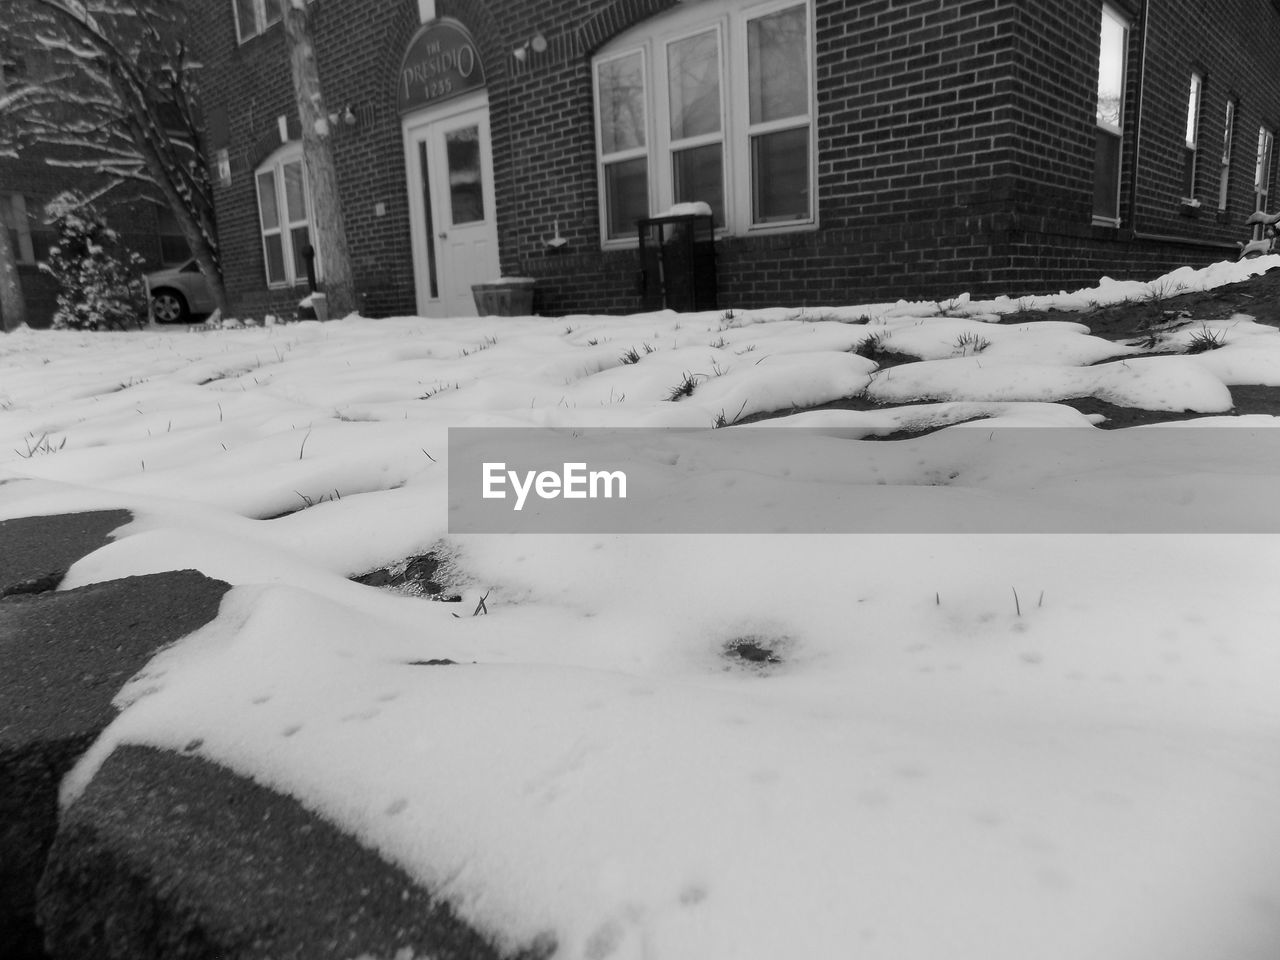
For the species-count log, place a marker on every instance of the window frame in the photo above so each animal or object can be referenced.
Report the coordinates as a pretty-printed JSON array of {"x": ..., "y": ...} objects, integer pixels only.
[
  {"x": 1191, "y": 141},
  {"x": 604, "y": 160},
  {"x": 275, "y": 164},
  {"x": 653, "y": 40},
  {"x": 665, "y": 171},
  {"x": 1106, "y": 129},
  {"x": 222, "y": 167},
  {"x": 261, "y": 19},
  {"x": 1224, "y": 160},
  {"x": 1262, "y": 167},
  {"x": 751, "y": 132}
]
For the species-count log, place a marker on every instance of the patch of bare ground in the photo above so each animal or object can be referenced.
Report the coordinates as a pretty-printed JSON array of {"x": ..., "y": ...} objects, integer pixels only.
[{"x": 1258, "y": 297}]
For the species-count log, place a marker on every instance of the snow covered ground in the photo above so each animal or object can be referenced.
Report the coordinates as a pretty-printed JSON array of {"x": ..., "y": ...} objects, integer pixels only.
[{"x": 967, "y": 745}]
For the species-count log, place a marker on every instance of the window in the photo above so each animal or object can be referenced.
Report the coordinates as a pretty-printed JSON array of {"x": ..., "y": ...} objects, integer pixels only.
[
  {"x": 696, "y": 120},
  {"x": 1193, "y": 133},
  {"x": 1262, "y": 172},
  {"x": 1224, "y": 168},
  {"x": 284, "y": 217},
  {"x": 712, "y": 103},
  {"x": 254, "y": 16},
  {"x": 624, "y": 157},
  {"x": 222, "y": 167},
  {"x": 1112, "y": 54}
]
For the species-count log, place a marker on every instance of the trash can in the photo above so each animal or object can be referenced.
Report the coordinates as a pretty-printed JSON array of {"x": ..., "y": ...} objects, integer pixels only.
[
  {"x": 678, "y": 262},
  {"x": 504, "y": 297}
]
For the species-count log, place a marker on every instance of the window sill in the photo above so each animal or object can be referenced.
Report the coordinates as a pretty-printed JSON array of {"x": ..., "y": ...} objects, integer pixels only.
[
  {"x": 261, "y": 33},
  {"x": 1189, "y": 208},
  {"x": 773, "y": 229},
  {"x": 763, "y": 230}
]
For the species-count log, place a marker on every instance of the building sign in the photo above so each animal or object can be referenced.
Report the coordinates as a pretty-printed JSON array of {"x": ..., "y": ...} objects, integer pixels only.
[{"x": 442, "y": 62}]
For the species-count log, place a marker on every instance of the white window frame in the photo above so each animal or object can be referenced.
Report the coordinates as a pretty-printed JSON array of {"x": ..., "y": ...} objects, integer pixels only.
[
  {"x": 652, "y": 39},
  {"x": 665, "y": 171},
  {"x": 1262, "y": 167},
  {"x": 1115, "y": 130},
  {"x": 261, "y": 21},
  {"x": 1192, "y": 139},
  {"x": 290, "y": 153},
  {"x": 1228, "y": 141},
  {"x": 603, "y": 159}
]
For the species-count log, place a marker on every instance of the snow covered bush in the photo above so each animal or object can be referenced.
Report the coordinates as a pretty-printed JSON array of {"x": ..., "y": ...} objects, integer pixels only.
[{"x": 99, "y": 281}]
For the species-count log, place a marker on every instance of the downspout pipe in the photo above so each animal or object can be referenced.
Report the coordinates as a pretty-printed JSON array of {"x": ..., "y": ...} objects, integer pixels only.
[{"x": 1136, "y": 232}]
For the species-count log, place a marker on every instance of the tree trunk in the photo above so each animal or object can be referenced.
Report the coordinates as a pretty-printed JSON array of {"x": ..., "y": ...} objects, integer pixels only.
[
  {"x": 329, "y": 229},
  {"x": 13, "y": 309}
]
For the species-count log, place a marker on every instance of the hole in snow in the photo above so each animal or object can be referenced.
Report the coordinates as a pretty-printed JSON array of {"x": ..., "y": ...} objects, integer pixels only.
[
  {"x": 424, "y": 576},
  {"x": 757, "y": 652}
]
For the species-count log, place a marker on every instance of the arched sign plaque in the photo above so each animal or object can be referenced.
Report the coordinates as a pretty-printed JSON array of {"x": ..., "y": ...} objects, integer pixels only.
[{"x": 441, "y": 62}]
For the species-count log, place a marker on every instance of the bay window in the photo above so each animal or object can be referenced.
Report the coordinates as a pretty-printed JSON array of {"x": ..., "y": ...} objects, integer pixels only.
[
  {"x": 284, "y": 217},
  {"x": 711, "y": 103}
]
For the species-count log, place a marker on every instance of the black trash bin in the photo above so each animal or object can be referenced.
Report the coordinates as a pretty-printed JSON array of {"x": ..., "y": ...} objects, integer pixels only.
[{"x": 678, "y": 262}]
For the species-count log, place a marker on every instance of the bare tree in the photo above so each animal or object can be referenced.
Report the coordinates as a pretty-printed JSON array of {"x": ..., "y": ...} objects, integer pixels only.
[
  {"x": 329, "y": 230},
  {"x": 115, "y": 99}
]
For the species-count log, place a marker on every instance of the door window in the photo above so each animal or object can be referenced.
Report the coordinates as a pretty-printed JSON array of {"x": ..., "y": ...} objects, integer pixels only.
[{"x": 466, "y": 180}]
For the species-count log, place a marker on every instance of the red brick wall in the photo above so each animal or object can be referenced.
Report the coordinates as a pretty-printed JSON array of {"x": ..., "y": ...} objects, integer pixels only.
[
  {"x": 1233, "y": 45},
  {"x": 1236, "y": 47},
  {"x": 955, "y": 146},
  {"x": 251, "y": 82}
]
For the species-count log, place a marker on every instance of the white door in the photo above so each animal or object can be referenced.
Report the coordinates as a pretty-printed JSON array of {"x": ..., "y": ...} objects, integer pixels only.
[{"x": 455, "y": 233}]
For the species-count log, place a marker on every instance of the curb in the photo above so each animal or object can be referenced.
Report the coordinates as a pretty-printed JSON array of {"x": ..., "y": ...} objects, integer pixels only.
[
  {"x": 171, "y": 856},
  {"x": 165, "y": 855},
  {"x": 65, "y": 656}
]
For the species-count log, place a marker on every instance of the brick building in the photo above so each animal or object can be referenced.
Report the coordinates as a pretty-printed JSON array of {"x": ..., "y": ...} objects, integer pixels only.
[{"x": 850, "y": 149}]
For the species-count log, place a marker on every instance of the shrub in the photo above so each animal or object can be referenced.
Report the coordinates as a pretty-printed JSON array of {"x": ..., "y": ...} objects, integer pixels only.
[{"x": 99, "y": 281}]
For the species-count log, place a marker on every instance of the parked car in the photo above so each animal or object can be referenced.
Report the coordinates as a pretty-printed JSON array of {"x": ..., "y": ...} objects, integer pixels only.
[{"x": 179, "y": 294}]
